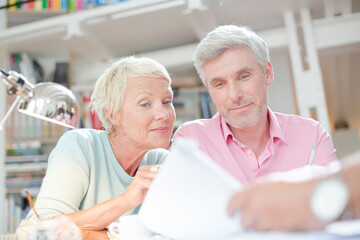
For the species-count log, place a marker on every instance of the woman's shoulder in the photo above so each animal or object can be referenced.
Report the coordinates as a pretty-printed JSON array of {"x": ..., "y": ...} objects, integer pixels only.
[
  {"x": 79, "y": 145},
  {"x": 82, "y": 134}
]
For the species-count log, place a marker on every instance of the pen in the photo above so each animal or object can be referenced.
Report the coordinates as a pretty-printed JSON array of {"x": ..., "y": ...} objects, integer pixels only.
[{"x": 312, "y": 154}]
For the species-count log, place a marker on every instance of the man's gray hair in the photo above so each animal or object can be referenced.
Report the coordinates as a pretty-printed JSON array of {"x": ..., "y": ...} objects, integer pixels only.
[{"x": 226, "y": 37}]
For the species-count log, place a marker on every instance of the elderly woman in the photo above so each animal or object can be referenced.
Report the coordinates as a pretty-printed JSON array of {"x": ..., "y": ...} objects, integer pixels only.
[{"x": 93, "y": 176}]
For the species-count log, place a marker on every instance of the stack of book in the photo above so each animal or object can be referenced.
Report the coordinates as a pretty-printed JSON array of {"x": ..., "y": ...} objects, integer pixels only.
[
  {"x": 25, "y": 165},
  {"x": 25, "y": 168}
]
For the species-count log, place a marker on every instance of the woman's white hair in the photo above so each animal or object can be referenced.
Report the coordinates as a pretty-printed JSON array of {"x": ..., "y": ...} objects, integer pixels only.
[
  {"x": 110, "y": 87},
  {"x": 229, "y": 36}
]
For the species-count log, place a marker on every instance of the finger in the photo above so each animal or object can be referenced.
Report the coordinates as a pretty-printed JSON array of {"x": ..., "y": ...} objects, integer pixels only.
[
  {"x": 144, "y": 183},
  {"x": 247, "y": 220},
  {"x": 260, "y": 225},
  {"x": 152, "y": 168},
  {"x": 236, "y": 203},
  {"x": 145, "y": 175},
  {"x": 147, "y": 171}
]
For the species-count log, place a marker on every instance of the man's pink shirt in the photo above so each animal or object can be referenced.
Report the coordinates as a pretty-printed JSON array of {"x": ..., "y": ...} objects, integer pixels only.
[{"x": 291, "y": 141}]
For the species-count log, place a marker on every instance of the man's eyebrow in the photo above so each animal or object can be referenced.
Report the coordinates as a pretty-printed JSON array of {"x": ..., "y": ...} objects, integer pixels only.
[
  {"x": 214, "y": 80},
  {"x": 244, "y": 69},
  {"x": 241, "y": 70}
]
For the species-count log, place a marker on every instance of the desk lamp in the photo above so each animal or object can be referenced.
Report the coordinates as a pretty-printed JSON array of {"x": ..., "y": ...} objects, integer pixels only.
[{"x": 48, "y": 101}]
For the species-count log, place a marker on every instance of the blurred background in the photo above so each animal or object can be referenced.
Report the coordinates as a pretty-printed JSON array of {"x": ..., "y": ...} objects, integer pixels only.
[{"x": 314, "y": 48}]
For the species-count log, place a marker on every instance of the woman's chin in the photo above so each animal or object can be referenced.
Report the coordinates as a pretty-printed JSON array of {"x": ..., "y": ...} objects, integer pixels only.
[{"x": 162, "y": 144}]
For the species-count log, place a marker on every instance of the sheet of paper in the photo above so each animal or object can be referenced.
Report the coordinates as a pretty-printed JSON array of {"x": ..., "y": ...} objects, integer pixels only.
[
  {"x": 347, "y": 229},
  {"x": 189, "y": 196}
]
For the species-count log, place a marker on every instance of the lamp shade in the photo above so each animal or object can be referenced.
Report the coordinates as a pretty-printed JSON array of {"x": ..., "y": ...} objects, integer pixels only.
[{"x": 52, "y": 102}]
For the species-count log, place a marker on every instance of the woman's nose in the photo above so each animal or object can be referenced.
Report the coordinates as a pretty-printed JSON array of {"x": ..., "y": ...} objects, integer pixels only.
[{"x": 161, "y": 112}]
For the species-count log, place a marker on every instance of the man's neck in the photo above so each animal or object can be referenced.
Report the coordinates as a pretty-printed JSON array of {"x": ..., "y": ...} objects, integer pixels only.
[{"x": 255, "y": 137}]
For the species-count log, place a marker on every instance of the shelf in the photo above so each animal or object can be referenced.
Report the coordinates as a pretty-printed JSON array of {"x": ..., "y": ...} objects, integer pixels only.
[
  {"x": 52, "y": 140},
  {"x": 29, "y": 167},
  {"x": 18, "y": 17},
  {"x": 142, "y": 27}
]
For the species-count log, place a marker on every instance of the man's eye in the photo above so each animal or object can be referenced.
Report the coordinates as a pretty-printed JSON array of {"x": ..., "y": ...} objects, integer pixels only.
[
  {"x": 245, "y": 76},
  {"x": 219, "y": 84}
]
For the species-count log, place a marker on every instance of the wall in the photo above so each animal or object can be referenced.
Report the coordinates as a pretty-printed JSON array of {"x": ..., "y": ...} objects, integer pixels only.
[
  {"x": 280, "y": 92},
  {"x": 342, "y": 86}
]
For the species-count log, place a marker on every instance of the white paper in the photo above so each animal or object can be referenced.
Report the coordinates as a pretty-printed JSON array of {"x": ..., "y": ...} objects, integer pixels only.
[
  {"x": 189, "y": 196},
  {"x": 347, "y": 229}
]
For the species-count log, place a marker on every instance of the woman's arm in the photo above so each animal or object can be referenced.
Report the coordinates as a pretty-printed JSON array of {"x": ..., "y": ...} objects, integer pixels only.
[{"x": 101, "y": 215}]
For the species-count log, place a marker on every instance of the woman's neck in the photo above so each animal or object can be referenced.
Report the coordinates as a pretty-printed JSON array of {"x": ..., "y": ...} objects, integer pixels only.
[{"x": 128, "y": 154}]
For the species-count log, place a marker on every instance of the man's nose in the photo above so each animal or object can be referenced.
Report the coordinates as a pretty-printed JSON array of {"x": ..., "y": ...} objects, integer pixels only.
[{"x": 235, "y": 92}]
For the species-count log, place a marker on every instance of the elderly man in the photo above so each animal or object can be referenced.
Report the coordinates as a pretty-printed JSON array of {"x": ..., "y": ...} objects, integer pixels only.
[{"x": 245, "y": 137}]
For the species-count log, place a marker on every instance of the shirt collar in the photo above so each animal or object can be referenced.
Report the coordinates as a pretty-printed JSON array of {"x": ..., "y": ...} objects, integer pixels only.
[
  {"x": 275, "y": 129},
  {"x": 225, "y": 128}
]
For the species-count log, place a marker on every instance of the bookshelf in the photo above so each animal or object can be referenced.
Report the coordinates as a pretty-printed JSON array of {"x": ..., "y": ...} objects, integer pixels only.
[
  {"x": 192, "y": 103},
  {"x": 36, "y": 10}
]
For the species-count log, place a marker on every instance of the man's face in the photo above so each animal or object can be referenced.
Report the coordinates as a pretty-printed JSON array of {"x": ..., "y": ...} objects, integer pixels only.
[{"x": 237, "y": 85}]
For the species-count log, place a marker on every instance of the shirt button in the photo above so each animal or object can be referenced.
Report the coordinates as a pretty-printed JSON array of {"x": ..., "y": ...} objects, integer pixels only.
[{"x": 248, "y": 152}]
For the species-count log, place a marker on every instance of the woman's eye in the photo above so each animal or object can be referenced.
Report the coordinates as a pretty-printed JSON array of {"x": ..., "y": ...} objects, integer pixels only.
[
  {"x": 144, "y": 105},
  {"x": 169, "y": 102}
]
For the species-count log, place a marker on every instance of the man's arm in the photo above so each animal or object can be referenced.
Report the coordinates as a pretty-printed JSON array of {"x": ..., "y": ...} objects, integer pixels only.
[{"x": 285, "y": 206}]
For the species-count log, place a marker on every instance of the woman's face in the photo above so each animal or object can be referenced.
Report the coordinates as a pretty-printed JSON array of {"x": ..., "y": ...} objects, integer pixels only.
[{"x": 148, "y": 115}]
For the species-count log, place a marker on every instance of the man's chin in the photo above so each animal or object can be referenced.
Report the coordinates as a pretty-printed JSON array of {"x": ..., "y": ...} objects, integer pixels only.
[{"x": 242, "y": 123}]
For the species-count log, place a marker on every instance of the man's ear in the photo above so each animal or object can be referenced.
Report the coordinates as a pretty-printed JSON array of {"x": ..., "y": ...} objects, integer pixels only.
[
  {"x": 111, "y": 118},
  {"x": 269, "y": 74}
]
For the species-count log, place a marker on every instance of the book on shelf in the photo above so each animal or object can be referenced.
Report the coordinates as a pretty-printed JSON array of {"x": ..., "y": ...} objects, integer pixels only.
[
  {"x": 60, "y": 5},
  {"x": 85, "y": 111},
  {"x": 205, "y": 109},
  {"x": 26, "y": 167},
  {"x": 17, "y": 207},
  {"x": 208, "y": 108},
  {"x": 88, "y": 118},
  {"x": 19, "y": 148},
  {"x": 13, "y": 213},
  {"x": 61, "y": 74},
  {"x": 29, "y": 67},
  {"x": 25, "y": 156},
  {"x": 33, "y": 158},
  {"x": 23, "y": 182}
]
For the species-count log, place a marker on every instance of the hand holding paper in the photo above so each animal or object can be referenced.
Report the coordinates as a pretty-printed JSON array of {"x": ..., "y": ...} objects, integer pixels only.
[{"x": 189, "y": 196}]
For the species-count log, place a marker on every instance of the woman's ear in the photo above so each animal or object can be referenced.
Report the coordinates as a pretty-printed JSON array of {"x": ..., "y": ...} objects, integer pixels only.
[{"x": 111, "y": 118}]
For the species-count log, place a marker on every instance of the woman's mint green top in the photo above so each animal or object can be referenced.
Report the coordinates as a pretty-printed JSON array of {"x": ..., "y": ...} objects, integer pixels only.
[{"x": 83, "y": 172}]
